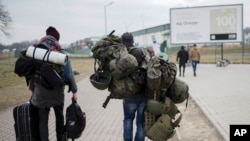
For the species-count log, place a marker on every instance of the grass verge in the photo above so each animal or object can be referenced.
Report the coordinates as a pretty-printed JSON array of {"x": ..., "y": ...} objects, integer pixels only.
[{"x": 14, "y": 90}]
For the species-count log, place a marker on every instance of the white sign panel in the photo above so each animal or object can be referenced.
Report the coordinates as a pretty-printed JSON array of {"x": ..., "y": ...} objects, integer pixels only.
[{"x": 206, "y": 24}]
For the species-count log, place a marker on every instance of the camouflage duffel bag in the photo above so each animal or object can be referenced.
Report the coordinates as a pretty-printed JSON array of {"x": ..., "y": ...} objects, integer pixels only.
[
  {"x": 178, "y": 91},
  {"x": 168, "y": 75},
  {"x": 162, "y": 129},
  {"x": 123, "y": 66},
  {"x": 154, "y": 73},
  {"x": 123, "y": 88}
]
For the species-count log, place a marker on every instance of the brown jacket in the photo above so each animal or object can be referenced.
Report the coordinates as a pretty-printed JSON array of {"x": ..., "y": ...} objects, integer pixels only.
[{"x": 195, "y": 54}]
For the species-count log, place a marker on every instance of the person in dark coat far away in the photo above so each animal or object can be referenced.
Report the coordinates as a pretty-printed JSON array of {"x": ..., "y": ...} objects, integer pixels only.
[{"x": 182, "y": 58}]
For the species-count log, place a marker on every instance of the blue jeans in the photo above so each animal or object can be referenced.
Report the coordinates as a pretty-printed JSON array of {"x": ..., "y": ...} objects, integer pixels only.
[
  {"x": 131, "y": 107},
  {"x": 194, "y": 65}
]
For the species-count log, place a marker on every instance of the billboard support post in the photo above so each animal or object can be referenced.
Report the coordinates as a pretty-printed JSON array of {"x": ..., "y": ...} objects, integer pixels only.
[{"x": 221, "y": 51}]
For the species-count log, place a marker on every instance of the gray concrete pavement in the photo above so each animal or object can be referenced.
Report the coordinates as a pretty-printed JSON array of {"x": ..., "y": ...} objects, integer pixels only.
[{"x": 221, "y": 92}]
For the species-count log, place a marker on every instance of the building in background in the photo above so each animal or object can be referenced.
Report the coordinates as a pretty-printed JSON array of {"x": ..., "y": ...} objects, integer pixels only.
[
  {"x": 143, "y": 38},
  {"x": 161, "y": 33},
  {"x": 153, "y": 35}
]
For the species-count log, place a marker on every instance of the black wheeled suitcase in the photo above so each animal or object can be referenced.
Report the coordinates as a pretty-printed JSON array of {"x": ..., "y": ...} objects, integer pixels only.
[{"x": 26, "y": 122}]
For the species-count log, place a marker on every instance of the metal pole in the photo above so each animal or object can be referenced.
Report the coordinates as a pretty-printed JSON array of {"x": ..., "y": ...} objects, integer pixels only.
[
  {"x": 105, "y": 20},
  {"x": 215, "y": 46},
  {"x": 243, "y": 45},
  {"x": 105, "y": 16},
  {"x": 221, "y": 51}
]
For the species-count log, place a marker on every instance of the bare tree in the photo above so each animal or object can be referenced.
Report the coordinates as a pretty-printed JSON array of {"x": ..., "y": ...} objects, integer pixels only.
[{"x": 5, "y": 20}]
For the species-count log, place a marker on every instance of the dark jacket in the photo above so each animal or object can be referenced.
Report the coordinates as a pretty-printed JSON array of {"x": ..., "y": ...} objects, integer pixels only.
[
  {"x": 141, "y": 73},
  {"x": 182, "y": 56},
  {"x": 45, "y": 98}
]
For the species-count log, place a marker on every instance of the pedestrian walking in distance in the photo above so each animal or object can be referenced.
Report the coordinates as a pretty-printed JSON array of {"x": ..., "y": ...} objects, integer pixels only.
[
  {"x": 182, "y": 58},
  {"x": 195, "y": 58}
]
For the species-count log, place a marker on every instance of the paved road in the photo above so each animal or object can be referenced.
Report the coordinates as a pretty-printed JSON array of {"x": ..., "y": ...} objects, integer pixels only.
[{"x": 221, "y": 92}]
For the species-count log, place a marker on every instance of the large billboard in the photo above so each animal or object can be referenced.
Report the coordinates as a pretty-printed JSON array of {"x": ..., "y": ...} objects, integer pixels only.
[{"x": 207, "y": 24}]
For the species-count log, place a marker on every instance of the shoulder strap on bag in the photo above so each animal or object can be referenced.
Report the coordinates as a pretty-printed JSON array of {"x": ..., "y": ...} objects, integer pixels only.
[
  {"x": 107, "y": 100},
  {"x": 178, "y": 120}
]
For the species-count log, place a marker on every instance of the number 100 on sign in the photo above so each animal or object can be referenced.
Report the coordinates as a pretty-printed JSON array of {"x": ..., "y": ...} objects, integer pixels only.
[{"x": 223, "y": 21}]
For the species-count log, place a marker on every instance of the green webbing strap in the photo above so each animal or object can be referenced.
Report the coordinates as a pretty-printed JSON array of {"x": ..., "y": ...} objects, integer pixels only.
[
  {"x": 104, "y": 105},
  {"x": 187, "y": 101},
  {"x": 177, "y": 121}
]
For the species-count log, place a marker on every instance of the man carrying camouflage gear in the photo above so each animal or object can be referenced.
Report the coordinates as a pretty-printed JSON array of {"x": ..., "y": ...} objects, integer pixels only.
[{"x": 133, "y": 105}]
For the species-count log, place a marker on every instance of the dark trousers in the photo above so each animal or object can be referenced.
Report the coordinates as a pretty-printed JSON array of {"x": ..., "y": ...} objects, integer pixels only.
[
  {"x": 44, "y": 119},
  {"x": 182, "y": 65}
]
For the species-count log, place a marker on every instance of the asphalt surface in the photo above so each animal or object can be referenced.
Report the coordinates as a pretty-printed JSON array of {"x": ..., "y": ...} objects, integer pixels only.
[{"x": 221, "y": 92}]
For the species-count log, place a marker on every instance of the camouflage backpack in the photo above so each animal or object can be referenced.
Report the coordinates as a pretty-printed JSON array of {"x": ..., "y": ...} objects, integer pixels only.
[
  {"x": 122, "y": 66},
  {"x": 122, "y": 84},
  {"x": 128, "y": 73},
  {"x": 178, "y": 91},
  {"x": 113, "y": 57},
  {"x": 159, "y": 124},
  {"x": 107, "y": 49},
  {"x": 160, "y": 75}
]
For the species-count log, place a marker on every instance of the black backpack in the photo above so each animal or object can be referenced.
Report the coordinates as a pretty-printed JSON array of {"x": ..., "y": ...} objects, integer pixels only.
[
  {"x": 47, "y": 74},
  {"x": 75, "y": 120}
]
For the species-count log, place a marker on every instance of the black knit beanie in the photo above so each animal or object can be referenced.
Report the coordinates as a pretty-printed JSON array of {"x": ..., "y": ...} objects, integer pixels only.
[{"x": 53, "y": 32}]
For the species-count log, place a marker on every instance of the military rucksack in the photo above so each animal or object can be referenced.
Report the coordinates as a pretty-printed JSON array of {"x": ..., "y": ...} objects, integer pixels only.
[
  {"x": 160, "y": 112},
  {"x": 123, "y": 88},
  {"x": 178, "y": 91},
  {"x": 160, "y": 75},
  {"x": 112, "y": 56},
  {"x": 107, "y": 49},
  {"x": 123, "y": 66}
]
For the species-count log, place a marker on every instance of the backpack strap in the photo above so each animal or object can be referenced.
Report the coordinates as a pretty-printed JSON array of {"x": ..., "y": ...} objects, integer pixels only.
[
  {"x": 33, "y": 55},
  {"x": 187, "y": 101},
  {"x": 48, "y": 52},
  {"x": 178, "y": 120},
  {"x": 104, "y": 105},
  {"x": 130, "y": 49}
]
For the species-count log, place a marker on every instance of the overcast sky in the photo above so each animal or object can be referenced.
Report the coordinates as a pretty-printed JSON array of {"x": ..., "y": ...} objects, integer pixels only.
[{"x": 79, "y": 19}]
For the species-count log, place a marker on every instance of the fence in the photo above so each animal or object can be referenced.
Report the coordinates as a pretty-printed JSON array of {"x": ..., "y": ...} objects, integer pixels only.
[{"x": 236, "y": 55}]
